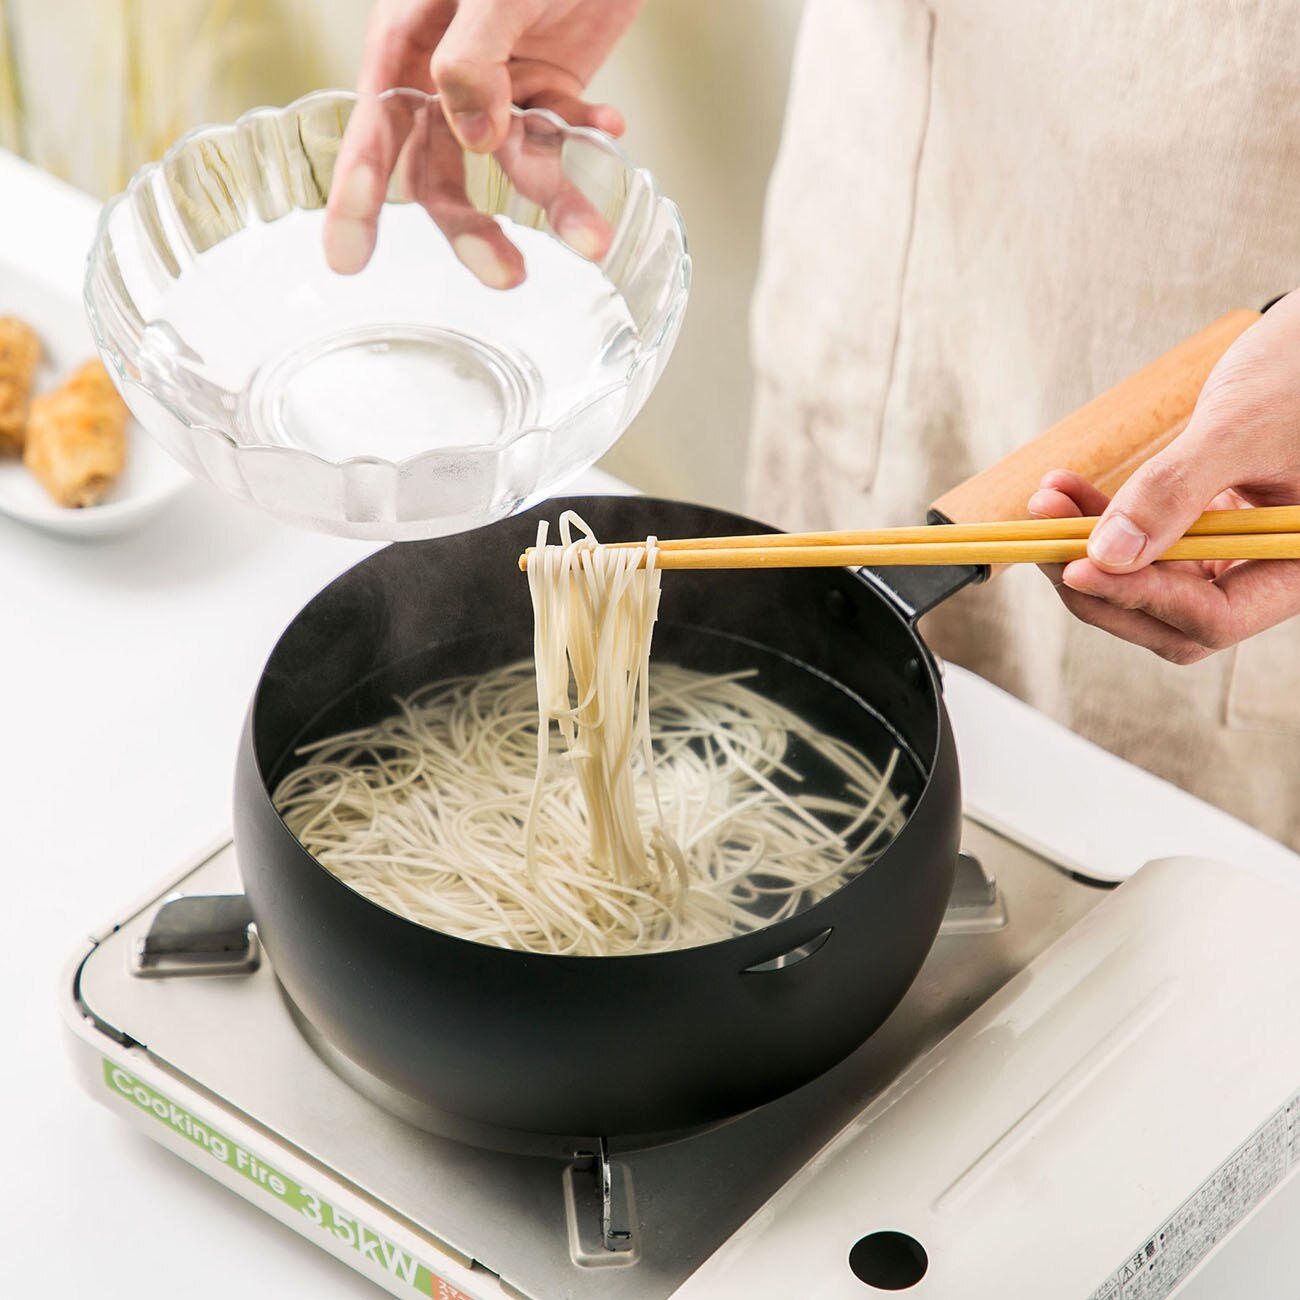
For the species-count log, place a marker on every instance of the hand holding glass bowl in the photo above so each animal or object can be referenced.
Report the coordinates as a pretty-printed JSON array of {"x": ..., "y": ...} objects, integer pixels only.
[
  {"x": 399, "y": 146},
  {"x": 405, "y": 399}
]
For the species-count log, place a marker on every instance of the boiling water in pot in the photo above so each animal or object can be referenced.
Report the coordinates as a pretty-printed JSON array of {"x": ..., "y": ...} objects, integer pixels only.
[{"x": 771, "y": 812}]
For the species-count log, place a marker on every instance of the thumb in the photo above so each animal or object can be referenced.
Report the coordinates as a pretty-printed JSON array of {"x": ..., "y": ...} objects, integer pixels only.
[
  {"x": 470, "y": 73},
  {"x": 1158, "y": 504}
]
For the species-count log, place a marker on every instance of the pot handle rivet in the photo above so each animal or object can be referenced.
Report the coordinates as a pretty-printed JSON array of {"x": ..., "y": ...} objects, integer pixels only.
[{"x": 792, "y": 956}]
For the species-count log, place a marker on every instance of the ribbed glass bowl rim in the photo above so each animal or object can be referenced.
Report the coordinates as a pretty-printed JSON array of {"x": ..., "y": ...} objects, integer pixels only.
[{"x": 100, "y": 243}]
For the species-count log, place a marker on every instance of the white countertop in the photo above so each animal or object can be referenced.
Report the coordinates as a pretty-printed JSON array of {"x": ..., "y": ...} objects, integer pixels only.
[{"x": 125, "y": 669}]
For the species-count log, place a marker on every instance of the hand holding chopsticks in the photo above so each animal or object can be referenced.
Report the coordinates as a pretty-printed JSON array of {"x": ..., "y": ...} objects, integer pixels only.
[{"x": 1266, "y": 533}]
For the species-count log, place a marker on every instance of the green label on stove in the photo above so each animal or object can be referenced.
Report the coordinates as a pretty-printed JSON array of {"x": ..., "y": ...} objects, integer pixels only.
[{"x": 351, "y": 1232}]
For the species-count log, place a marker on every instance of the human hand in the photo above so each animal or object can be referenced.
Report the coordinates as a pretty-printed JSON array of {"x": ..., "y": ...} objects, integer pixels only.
[
  {"x": 479, "y": 56},
  {"x": 1240, "y": 448}
]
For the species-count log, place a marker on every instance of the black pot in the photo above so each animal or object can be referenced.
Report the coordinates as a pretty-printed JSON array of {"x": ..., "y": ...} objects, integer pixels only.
[{"x": 599, "y": 1045}]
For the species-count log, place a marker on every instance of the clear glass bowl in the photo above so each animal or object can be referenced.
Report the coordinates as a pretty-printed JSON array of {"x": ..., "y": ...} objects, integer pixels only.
[{"x": 408, "y": 400}]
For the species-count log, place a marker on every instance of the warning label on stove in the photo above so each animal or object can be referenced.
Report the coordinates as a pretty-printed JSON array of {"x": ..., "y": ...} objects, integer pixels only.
[
  {"x": 1235, "y": 1188},
  {"x": 370, "y": 1246}
]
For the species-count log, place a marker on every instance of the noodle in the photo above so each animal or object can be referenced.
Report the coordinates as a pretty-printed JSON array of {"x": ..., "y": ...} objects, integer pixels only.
[
  {"x": 594, "y": 611},
  {"x": 676, "y": 814}
]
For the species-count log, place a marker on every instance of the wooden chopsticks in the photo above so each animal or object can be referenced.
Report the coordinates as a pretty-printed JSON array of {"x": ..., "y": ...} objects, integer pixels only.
[{"x": 1269, "y": 532}]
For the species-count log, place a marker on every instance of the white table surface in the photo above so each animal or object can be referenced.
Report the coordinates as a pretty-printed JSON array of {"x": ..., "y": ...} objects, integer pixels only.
[{"x": 125, "y": 667}]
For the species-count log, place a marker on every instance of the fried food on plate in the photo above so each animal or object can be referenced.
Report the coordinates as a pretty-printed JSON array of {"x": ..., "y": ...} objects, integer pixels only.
[
  {"x": 76, "y": 437},
  {"x": 20, "y": 354}
]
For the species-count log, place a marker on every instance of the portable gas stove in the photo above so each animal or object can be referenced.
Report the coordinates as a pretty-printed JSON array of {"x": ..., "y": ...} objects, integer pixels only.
[{"x": 1082, "y": 1096}]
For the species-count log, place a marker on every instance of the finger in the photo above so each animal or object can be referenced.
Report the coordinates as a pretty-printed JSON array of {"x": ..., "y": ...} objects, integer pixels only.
[
  {"x": 1213, "y": 613},
  {"x": 433, "y": 168},
  {"x": 604, "y": 117},
  {"x": 372, "y": 142},
  {"x": 1054, "y": 573},
  {"x": 392, "y": 56},
  {"x": 1088, "y": 500},
  {"x": 576, "y": 111},
  {"x": 1202, "y": 568},
  {"x": 537, "y": 84},
  {"x": 470, "y": 72},
  {"x": 1047, "y": 503},
  {"x": 1188, "y": 601},
  {"x": 1060, "y": 497},
  {"x": 533, "y": 159},
  {"x": 1262, "y": 593},
  {"x": 1134, "y": 626},
  {"x": 1165, "y": 495}
]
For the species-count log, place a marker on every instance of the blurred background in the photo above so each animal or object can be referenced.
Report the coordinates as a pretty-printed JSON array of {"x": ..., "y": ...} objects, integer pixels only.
[{"x": 91, "y": 89}]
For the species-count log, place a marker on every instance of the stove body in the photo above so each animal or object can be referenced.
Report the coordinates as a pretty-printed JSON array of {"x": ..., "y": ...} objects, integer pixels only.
[{"x": 1089, "y": 1093}]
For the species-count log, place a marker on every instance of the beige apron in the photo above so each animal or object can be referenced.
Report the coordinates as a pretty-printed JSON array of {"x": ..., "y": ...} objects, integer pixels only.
[{"x": 984, "y": 213}]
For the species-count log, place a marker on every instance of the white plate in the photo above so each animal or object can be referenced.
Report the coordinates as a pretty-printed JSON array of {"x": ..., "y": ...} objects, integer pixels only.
[{"x": 151, "y": 479}]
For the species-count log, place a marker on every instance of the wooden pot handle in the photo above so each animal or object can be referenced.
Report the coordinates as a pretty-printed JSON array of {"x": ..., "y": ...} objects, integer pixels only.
[{"x": 1106, "y": 440}]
